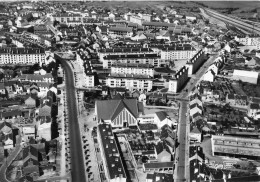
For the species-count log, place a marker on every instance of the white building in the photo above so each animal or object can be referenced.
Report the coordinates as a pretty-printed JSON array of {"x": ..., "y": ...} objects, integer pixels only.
[
  {"x": 89, "y": 80},
  {"x": 248, "y": 40},
  {"x": 135, "y": 69},
  {"x": 22, "y": 56},
  {"x": 209, "y": 76},
  {"x": 44, "y": 131},
  {"x": 178, "y": 80},
  {"x": 130, "y": 81},
  {"x": 152, "y": 59},
  {"x": 246, "y": 76},
  {"x": 136, "y": 19},
  {"x": 178, "y": 52}
]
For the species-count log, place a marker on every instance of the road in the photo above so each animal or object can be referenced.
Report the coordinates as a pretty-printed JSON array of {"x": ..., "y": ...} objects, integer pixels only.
[
  {"x": 9, "y": 160},
  {"x": 181, "y": 157},
  {"x": 77, "y": 162},
  {"x": 233, "y": 21},
  {"x": 181, "y": 172}
]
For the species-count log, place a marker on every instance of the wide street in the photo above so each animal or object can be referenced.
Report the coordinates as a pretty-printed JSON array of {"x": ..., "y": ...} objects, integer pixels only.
[
  {"x": 182, "y": 153},
  {"x": 77, "y": 162}
]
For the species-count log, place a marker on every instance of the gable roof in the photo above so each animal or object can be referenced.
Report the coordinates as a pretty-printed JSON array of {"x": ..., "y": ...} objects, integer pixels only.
[
  {"x": 195, "y": 130},
  {"x": 109, "y": 109},
  {"x": 161, "y": 115}
]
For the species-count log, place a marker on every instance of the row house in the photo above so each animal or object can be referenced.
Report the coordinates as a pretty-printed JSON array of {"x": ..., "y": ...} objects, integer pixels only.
[
  {"x": 37, "y": 78},
  {"x": 130, "y": 81},
  {"x": 123, "y": 51},
  {"x": 22, "y": 56},
  {"x": 121, "y": 31},
  {"x": 135, "y": 69},
  {"x": 152, "y": 59},
  {"x": 157, "y": 25},
  {"x": 248, "y": 40},
  {"x": 178, "y": 52},
  {"x": 195, "y": 62},
  {"x": 178, "y": 80}
]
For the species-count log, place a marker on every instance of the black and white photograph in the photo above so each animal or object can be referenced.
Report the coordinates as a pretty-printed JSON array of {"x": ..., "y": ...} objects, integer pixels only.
[{"x": 129, "y": 91}]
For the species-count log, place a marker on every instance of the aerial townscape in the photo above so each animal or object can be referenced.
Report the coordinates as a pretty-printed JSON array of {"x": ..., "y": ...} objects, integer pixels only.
[{"x": 129, "y": 91}]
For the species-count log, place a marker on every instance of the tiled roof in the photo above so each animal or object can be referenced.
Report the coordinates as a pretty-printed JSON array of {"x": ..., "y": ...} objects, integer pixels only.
[
  {"x": 126, "y": 50},
  {"x": 132, "y": 65},
  {"x": 45, "y": 111},
  {"x": 132, "y": 56},
  {"x": 109, "y": 109},
  {"x": 161, "y": 115},
  {"x": 121, "y": 29},
  {"x": 158, "y": 165},
  {"x": 160, "y": 24}
]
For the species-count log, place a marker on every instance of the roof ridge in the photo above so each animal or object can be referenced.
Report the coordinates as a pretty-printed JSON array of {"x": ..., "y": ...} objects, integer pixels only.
[{"x": 112, "y": 113}]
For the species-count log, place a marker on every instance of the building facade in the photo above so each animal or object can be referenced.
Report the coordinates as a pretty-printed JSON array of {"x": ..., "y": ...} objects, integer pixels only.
[
  {"x": 22, "y": 56},
  {"x": 178, "y": 52},
  {"x": 195, "y": 62},
  {"x": 136, "y": 69},
  {"x": 130, "y": 81},
  {"x": 152, "y": 59},
  {"x": 178, "y": 80}
]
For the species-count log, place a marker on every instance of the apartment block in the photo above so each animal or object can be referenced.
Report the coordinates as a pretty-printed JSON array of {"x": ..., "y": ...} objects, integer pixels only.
[
  {"x": 132, "y": 68},
  {"x": 178, "y": 80},
  {"x": 195, "y": 62},
  {"x": 22, "y": 56}
]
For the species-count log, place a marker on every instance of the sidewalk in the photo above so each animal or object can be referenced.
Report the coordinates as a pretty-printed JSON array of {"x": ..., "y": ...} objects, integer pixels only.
[
  {"x": 88, "y": 120},
  {"x": 63, "y": 150}
]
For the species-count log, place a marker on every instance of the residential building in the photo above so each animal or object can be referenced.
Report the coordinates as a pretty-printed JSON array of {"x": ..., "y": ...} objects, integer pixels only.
[
  {"x": 195, "y": 135},
  {"x": 159, "y": 177},
  {"x": 178, "y": 52},
  {"x": 167, "y": 167},
  {"x": 123, "y": 51},
  {"x": 119, "y": 113},
  {"x": 22, "y": 56},
  {"x": 121, "y": 31},
  {"x": 195, "y": 62},
  {"x": 209, "y": 76},
  {"x": 248, "y": 40},
  {"x": 235, "y": 147},
  {"x": 135, "y": 69},
  {"x": 152, "y": 59},
  {"x": 44, "y": 127},
  {"x": 130, "y": 81},
  {"x": 157, "y": 25},
  {"x": 112, "y": 161},
  {"x": 2, "y": 89},
  {"x": 89, "y": 80},
  {"x": 178, "y": 80}
]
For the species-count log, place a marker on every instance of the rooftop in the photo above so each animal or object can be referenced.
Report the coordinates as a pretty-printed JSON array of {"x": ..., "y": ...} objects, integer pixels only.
[{"x": 113, "y": 160}]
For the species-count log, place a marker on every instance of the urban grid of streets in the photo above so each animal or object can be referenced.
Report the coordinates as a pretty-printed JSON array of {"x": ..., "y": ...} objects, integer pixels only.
[{"x": 181, "y": 172}]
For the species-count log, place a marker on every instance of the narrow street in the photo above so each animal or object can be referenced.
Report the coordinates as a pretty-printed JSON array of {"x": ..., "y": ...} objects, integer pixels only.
[{"x": 182, "y": 169}]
